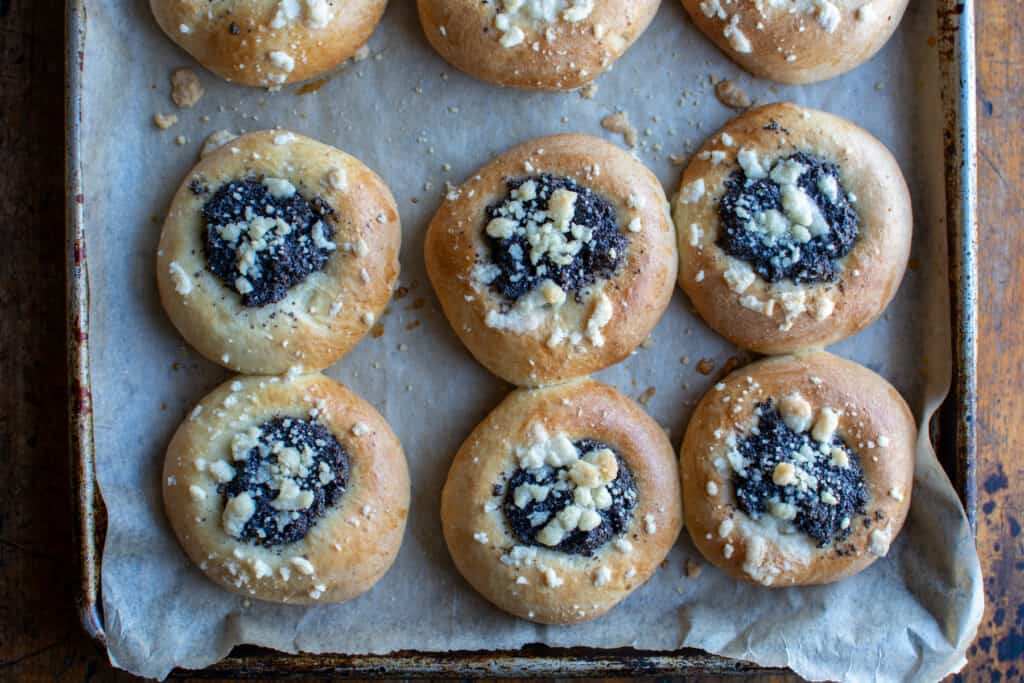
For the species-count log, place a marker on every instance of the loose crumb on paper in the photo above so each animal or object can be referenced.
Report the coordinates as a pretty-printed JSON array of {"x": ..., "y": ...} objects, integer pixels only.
[
  {"x": 619, "y": 123},
  {"x": 164, "y": 121},
  {"x": 732, "y": 95},
  {"x": 693, "y": 569},
  {"x": 186, "y": 90}
]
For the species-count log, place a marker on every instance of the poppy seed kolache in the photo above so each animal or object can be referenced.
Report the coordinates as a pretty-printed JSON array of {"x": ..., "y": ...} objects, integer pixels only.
[
  {"x": 555, "y": 260},
  {"x": 562, "y": 502},
  {"x": 794, "y": 229},
  {"x": 798, "y": 41},
  {"x": 269, "y": 43},
  {"x": 797, "y": 470},
  {"x": 535, "y": 44},
  {"x": 278, "y": 253},
  {"x": 287, "y": 490}
]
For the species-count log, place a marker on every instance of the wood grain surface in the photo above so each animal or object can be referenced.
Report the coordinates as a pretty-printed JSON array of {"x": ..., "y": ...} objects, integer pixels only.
[
  {"x": 998, "y": 653},
  {"x": 39, "y": 635}
]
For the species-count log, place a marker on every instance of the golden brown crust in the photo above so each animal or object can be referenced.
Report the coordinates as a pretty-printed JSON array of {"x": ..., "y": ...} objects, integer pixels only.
[
  {"x": 871, "y": 272},
  {"x": 561, "y": 55},
  {"x": 798, "y": 42},
  {"x": 875, "y": 422},
  {"x": 350, "y": 548},
  {"x": 638, "y": 293},
  {"x": 256, "y": 42},
  {"x": 323, "y": 316},
  {"x": 581, "y": 409}
]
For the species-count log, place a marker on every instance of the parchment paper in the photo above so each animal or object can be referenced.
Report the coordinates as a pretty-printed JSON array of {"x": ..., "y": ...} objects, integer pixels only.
[{"x": 416, "y": 121}]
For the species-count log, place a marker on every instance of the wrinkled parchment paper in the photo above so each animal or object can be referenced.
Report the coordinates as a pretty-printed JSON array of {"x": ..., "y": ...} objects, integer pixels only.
[{"x": 418, "y": 122}]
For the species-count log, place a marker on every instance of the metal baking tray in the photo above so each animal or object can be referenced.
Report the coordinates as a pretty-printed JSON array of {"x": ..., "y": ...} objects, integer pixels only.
[{"x": 953, "y": 428}]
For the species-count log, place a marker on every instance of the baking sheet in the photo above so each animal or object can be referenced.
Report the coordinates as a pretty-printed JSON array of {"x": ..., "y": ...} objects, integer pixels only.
[{"x": 411, "y": 117}]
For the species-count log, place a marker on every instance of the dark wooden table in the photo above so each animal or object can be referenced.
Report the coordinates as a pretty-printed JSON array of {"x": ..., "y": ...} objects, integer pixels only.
[{"x": 39, "y": 636}]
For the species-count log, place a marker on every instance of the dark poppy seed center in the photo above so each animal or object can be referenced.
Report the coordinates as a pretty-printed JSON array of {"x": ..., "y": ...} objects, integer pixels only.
[
  {"x": 824, "y": 493},
  {"x": 261, "y": 238},
  {"x": 792, "y": 221},
  {"x": 550, "y": 228},
  {"x": 294, "y": 471},
  {"x": 551, "y": 493}
]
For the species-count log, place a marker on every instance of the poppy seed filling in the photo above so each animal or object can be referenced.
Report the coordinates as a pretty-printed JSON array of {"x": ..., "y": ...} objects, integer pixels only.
[
  {"x": 261, "y": 237},
  {"x": 576, "y": 500},
  {"x": 792, "y": 221},
  {"x": 288, "y": 473},
  {"x": 818, "y": 486},
  {"x": 550, "y": 228}
]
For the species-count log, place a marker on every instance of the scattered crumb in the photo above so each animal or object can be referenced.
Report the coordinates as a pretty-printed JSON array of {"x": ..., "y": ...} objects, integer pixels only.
[
  {"x": 731, "y": 364},
  {"x": 732, "y": 95},
  {"x": 693, "y": 569},
  {"x": 619, "y": 123},
  {"x": 645, "y": 398},
  {"x": 164, "y": 121},
  {"x": 361, "y": 54},
  {"x": 588, "y": 91},
  {"x": 186, "y": 90},
  {"x": 706, "y": 366},
  {"x": 181, "y": 141}
]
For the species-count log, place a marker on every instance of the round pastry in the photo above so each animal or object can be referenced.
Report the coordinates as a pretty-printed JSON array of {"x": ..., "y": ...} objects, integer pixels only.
[
  {"x": 562, "y": 502},
  {"x": 797, "y": 470},
  {"x": 555, "y": 260},
  {"x": 287, "y": 491},
  {"x": 549, "y": 45},
  {"x": 278, "y": 252},
  {"x": 794, "y": 229},
  {"x": 269, "y": 43},
  {"x": 798, "y": 41}
]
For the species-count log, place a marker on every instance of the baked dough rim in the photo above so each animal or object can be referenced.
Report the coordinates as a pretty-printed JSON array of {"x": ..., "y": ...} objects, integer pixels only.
[
  {"x": 874, "y": 268},
  {"x": 639, "y": 292},
  {"x": 818, "y": 54},
  {"x": 823, "y": 380},
  {"x": 211, "y": 317},
  {"x": 376, "y": 497},
  {"x": 582, "y": 409},
  {"x": 237, "y": 59},
  {"x": 463, "y": 33}
]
